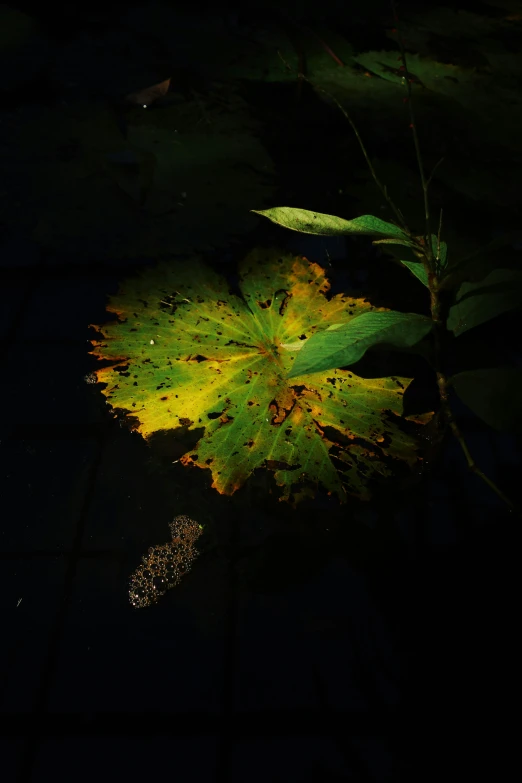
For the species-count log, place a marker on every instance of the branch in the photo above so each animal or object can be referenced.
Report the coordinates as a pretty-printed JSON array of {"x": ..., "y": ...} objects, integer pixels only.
[
  {"x": 379, "y": 184},
  {"x": 426, "y": 253},
  {"x": 436, "y": 306}
]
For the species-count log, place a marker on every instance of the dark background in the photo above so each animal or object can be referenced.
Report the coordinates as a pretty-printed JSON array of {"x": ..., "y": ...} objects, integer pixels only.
[{"x": 372, "y": 642}]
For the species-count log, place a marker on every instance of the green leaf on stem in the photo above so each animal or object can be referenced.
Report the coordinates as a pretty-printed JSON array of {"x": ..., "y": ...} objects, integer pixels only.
[
  {"x": 476, "y": 303},
  {"x": 417, "y": 267},
  {"x": 405, "y": 242},
  {"x": 188, "y": 355},
  {"x": 441, "y": 260},
  {"x": 491, "y": 394},
  {"x": 343, "y": 344},
  {"x": 419, "y": 270},
  {"x": 307, "y": 222}
]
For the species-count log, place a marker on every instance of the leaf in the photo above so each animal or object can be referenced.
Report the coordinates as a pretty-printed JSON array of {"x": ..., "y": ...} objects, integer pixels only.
[
  {"x": 149, "y": 95},
  {"x": 418, "y": 269},
  {"x": 493, "y": 395},
  {"x": 476, "y": 303},
  {"x": 440, "y": 256},
  {"x": 458, "y": 270},
  {"x": 176, "y": 177},
  {"x": 330, "y": 225},
  {"x": 343, "y": 344},
  {"x": 186, "y": 352},
  {"x": 442, "y": 261},
  {"x": 405, "y": 242}
]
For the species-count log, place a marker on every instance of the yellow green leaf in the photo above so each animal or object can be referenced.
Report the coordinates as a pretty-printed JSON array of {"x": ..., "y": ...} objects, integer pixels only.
[
  {"x": 307, "y": 222},
  {"x": 186, "y": 352}
]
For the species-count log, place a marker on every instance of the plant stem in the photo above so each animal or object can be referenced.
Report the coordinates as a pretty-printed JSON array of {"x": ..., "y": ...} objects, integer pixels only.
[
  {"x": 439, "y": 319},
  {"x": 382, "y": 188},
  {"x": 413, "y": 126},
  {"x": 426, "y": 253}
]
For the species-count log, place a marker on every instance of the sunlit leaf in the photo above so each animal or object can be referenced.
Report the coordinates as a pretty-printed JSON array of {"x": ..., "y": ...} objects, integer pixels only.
[
  {"x": 186, "y": 352},
  {"x": 492, "y": 395},
  {"x": 477, "y": 303},
  {"x": 307, "y": 222},
  {"x": 343, "y": 344}
]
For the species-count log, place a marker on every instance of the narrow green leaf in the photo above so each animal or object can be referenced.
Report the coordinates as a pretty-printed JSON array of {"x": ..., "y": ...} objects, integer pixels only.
[
  {"x": 457, "y": 270},
  {"x": 442, "y": 261},
  {"x": 477, "y": 303},
  {"x": 343, "y": 344},
  {"x": 405, "y": 242},
  {"x": 419, "y": 270},
  {"x": 493, "y": 395},
  {"x": 417, "y": 267},
  {"x": 308, "y": 222}
]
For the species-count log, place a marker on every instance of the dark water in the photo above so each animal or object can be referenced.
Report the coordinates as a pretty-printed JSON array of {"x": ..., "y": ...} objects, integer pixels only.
[{"x": 370, "y": 641}]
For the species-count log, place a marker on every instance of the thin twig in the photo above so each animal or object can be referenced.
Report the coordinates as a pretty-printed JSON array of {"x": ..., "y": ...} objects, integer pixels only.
[
  {"x": 433, "y": 172},
  {"x": 381, "y": 187},
  {"x": 439, "y": 319},
  {"x": 413, "y": 126},
  {"x": 438, "y": 235},
  {"x": 426, "y": 253}
]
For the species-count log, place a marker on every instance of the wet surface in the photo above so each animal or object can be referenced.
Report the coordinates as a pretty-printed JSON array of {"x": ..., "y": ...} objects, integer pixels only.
[{"x": 314, "y": 646}]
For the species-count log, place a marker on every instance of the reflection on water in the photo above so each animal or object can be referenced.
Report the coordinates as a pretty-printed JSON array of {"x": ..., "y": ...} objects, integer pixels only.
[{"x": 164, "y": 565}]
